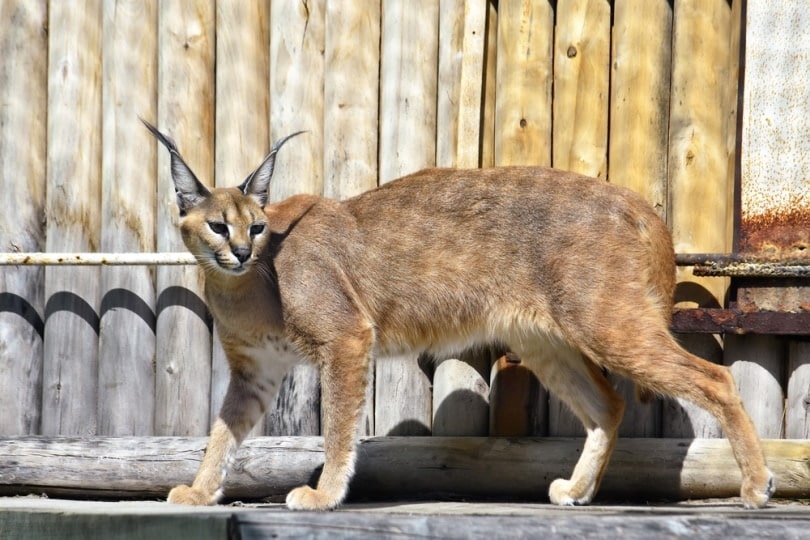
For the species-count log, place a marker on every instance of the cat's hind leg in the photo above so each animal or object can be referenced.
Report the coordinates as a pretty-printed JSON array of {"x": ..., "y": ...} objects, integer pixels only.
[{"x": 582, "y": 386}]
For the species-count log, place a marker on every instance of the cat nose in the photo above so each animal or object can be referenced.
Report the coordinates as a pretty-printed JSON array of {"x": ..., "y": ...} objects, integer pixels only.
[{"x": 241, "y": 253}]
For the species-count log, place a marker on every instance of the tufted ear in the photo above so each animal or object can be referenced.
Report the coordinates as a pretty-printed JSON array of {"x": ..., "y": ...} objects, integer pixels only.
[
  {"x": 190, "y": 191},
  {"x": 257, "y": 182}
]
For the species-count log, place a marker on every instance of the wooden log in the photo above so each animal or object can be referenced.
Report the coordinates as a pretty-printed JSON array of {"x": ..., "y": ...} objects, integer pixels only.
[
  {"x": 297, "y": 41},
  {"x": 460, "y": 400},
  {"x": 401, "y": 467},
  {"x": 186, "y": 112},
  {"x": 797, "y": 415},
  {"x": 756, "y": 362},
  {"x": 23, "y": 142},
  {"x": 351, "y": 98},
  {"x": 581, "y": 86},
  {"x": 698, "y": 162},
  {"x": 242, "y": 130},
  {"x": 462, "y": 33},
  {"x": 639, "y": 98},
  {"x": 518, "y": 403},
  {"x": 524, "y": 79},
  {"x": 70, "y": 390},
  {"x": 490, "y": 84},
  {"x": 126, "y": 372},
  {"x": 408, "y": 86}
]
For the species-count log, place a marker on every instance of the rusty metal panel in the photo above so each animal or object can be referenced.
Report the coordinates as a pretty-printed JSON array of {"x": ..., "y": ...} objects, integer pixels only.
[{"x": 775, "y": 146}]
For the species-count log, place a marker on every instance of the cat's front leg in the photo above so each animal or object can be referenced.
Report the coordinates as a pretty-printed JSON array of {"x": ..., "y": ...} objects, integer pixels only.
[
  {"x": 249, "y": 392},
  {"x": 344, "y": 377}
]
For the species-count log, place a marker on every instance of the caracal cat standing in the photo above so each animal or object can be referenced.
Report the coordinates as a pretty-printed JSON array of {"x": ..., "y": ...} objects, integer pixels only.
[{"x": 442, "y": 260}]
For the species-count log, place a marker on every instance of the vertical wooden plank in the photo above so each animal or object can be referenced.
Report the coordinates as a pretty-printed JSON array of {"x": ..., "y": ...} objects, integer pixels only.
[
  {"x": 126, "y": 373},
  {"x": 297, "y": 42},
  {"x": 23, "y": 90},
  {"x": 408, "y": 84},
  {"x": 756, "y": 362},
  {"x": 797, "y": 415},
  {"x": 518, "y": 402},
  {"x": 351, "y": 105},
  {"x": 460, "y": 400},
  {"x": 639, "y": 102},
  {"x": 490, "y": 82},
  {"x": 581, "y": 86},
  {"x": 186, "y": 112},
  {"x": 242, "y": 129},
  {"x": 697, "y": 169},
  {"x": 351, "y": 97},
  {"x": 70, "y": 362},
  {"x": 462, "y": 33},
  {"x": 524, "y": 78}
]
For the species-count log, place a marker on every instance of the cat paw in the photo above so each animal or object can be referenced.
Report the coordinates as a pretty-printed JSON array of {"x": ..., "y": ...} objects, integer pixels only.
[
  {"x": 562, "y": 493},
  {"x": 306, "y": 498},
  {"x": 757, "y": 494},
  {"x": 190, "y": 496}
]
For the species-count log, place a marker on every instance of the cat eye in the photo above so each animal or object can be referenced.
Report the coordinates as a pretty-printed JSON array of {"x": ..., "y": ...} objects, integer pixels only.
[
  {"x": 218, "y": 228},
  {"x": 257, "y": 229}
]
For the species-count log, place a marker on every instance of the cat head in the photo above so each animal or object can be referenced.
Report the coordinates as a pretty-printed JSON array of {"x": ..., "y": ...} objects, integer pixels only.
[{"x": 224, "y": 228}]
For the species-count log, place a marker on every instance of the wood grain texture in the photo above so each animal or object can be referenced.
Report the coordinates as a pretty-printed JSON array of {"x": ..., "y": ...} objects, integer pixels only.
[
  {"x": 402, "y": 467},
  {"x": 70, "y": 361},
  {"x": 186, "y": 47},
  {"x": 698, "y": 161},
  {"x": 23, "y": 142},
  {"x": 126, "y": 372},
  {"x": 639, "y": 98},
  {"x": 408, "y": 86},
  {"x": 524, "y": 83},
  {"x": 351, "y": 97},
  {"x": 460, "y": 400},
  {"x": 797, "y": 414},
  {"x": 242, "y": 122},
  {"x": 581, "y": 86}
]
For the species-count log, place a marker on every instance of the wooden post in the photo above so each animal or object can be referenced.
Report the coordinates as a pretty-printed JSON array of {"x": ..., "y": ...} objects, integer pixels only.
[
  {"x": 351, "y": 103},
  {"x": 70, "y": 362},
  {"x": 697, "y": 173},
  {"x": 797, "y": 415},
  {"x": 412, "y": 467},
  {"x": 639, "y": 104},
  {"x": 408, "y": 84},
  {"x": 23, "y": 140},
  {"x": 581, "y": 86},
  {"x": 523, "y": 92},
  {"x": 518, "y": 404},
  {"x": 297, "y": 42},
  {"x": 523, "y": 111},
  {"x": 490, "y": 83},
  {"x": 186, "y": 112},
  {"x": 242, "y": 130},
  {"x": 351, "y": 99},
  {"x": 126, "y": 373}
]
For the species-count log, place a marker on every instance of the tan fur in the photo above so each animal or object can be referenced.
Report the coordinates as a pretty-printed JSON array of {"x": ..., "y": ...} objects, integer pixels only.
[{"x": 418, "y": 265}]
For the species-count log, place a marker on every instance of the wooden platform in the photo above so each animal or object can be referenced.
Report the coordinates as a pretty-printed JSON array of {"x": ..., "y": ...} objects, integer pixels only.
[{"x": 44, "y": 518}]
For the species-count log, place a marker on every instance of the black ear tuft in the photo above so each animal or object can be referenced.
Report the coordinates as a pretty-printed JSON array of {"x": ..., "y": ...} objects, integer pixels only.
[
  {"x": 257, "y": 182},
  {"x": 190, "y": 191}
]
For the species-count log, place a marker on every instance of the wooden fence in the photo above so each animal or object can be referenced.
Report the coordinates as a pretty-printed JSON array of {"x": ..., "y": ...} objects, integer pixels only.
[{"x": 642, "y": 93}]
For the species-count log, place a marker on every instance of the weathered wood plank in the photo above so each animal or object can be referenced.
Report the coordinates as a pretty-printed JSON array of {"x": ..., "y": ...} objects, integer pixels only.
[
  {"x": 581, "y": 86},
  {"x": 351, "y": 97},
  {"x": 518, "y": 403},
  {"x": 70, "y": 361},
  {"x": 639, "y": 98},
  {"x": 23, "y": 142},
  {"x": 242, "y": 122},
  {"x": 490, "y": 84},
  {"x": 460, "y": 400},
  {"x": 698, "y": 163},
  {"x": 408, "y": 86},
  {"x": 402, "y": 467},
  {"x": 297, "y": 41},
  {"x": 797, "y": 415},
  {"x": 524, "y": 81},
  {"x": 126, "y": 373},
  {"x": 185, "y": 111}
]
